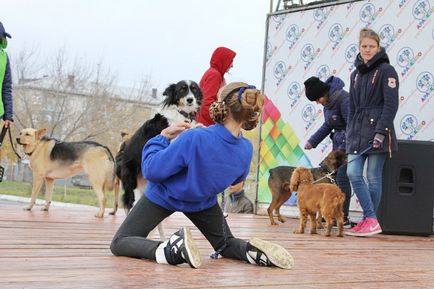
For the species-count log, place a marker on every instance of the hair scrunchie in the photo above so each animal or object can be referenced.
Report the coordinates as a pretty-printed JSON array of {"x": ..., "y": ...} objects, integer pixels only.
[{"x": 218, "y": 111}]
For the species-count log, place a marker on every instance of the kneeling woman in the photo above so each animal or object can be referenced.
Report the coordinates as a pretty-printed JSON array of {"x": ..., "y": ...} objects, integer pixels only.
[{"x": 187, "y": 176}]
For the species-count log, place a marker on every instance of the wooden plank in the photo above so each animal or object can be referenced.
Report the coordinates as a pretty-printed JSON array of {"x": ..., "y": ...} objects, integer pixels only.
[{"x": 69, "y": 248}]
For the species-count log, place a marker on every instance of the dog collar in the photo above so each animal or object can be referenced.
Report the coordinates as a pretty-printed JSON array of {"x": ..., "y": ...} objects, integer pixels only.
[{"x": 190, "y": 116}]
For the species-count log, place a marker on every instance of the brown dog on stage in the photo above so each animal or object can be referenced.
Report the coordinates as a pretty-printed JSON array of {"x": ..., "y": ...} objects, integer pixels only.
[
  {"x": 325, "y": 199},
  {"x": 280, "y": 177},
  {"x": 51, "y": 159}
]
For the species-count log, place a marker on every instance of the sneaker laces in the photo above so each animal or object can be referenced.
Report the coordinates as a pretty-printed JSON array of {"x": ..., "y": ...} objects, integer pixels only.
[
  {"x": 256, "y": 256},
  {"x": 174, "y": 250}
]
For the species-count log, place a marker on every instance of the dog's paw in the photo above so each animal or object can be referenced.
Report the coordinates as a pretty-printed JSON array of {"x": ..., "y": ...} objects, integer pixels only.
[
  {"x": 99, "y": 215},
  {"x": 112, "y": 213},
  {"x": 28, "y": 208},
  {"x": 313, "y": 232},
  {"x": 44, "y": 208},
  {"x": 282, "y": 220},
  {"x": 298, "y": 231}
]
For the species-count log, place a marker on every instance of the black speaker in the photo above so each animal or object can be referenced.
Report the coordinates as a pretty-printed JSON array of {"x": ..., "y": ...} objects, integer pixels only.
[{"x": 406, "y": 205}]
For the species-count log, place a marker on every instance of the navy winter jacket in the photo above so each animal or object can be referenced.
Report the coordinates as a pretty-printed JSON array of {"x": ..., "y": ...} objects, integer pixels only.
[
  {"x": 6, "y": 93},
  {"x": 373, "y": 104},
  {"x": 335, "y": 115}
]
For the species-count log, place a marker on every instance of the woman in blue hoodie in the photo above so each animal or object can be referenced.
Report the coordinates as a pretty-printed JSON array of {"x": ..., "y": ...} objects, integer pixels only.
[
  {"x": 335, "y": 101},
  {"x": 370, "y": 132},
  {"x": 187, "y": 176}
]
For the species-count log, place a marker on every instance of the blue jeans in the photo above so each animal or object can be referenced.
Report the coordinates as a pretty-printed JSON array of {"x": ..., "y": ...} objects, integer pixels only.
[
  {"x": 368, "y": 192},
  {"x": 344, "y": 184}
]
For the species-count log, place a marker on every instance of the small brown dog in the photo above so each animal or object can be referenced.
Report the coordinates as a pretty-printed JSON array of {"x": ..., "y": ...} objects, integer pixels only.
[
  {"x": 51, "y": 159},
  {"x": 280, "y": 177},
  {"x": 325, "y": 199}
]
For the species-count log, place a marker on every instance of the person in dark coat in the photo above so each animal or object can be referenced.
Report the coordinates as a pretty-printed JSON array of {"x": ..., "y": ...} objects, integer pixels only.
[
  {"x": 5, "y": 80},
  {"x": 335, "y": 101},
  {"x": 374, "y": 100}
]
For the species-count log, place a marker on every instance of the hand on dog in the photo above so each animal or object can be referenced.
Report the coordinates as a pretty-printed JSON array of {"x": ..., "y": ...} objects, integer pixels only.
[{"x": 173, "y": 131}]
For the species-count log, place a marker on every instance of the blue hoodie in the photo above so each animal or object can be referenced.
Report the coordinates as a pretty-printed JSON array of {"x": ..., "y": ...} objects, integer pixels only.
[
  {"x": 188, "y": 174},
  {"x": 335, "y": 115}
]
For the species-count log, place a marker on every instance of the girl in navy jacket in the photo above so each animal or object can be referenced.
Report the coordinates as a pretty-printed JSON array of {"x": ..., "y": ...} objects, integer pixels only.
[
  {"x": 186, "y": 175},
  {"x": 370, "y": 130}
]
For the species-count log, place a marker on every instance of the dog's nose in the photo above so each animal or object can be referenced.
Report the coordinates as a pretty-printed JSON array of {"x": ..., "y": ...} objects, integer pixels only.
[
  {"x": 18, "y": 140},
  {"x": 189, "y": 100}
]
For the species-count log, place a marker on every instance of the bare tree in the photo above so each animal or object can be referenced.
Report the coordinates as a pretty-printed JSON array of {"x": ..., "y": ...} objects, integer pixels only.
[{"x": 75, "y": 100}]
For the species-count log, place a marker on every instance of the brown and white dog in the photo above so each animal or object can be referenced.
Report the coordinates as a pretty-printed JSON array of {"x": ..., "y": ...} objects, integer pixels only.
[
  {"x": 324, "y": 200},
  {"x": 51, "y": 159},
  {"x": 279, "y": 180}
]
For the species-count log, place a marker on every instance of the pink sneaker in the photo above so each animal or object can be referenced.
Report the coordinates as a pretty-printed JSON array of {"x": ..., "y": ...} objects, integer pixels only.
[
  {"x": 369, "y": 227},
  {"x": 355, "y": 229}
]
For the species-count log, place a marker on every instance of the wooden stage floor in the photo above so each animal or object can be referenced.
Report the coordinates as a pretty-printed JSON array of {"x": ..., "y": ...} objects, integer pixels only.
[{"x": 69, "y": 248}]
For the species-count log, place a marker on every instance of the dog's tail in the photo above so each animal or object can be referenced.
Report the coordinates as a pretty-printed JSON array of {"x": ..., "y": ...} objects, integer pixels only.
[{"x": 129, "y": 183}]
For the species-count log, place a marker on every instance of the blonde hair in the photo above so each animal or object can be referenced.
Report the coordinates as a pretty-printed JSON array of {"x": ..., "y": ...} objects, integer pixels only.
[
  {"x": 244, "y": 102},
  {"x": 369, "y": 33}
]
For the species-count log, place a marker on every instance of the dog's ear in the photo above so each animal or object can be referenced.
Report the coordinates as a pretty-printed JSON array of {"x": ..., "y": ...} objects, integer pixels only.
[
  {"x": 170, "y": 93},
  {"x": 295, "y": 181},
  {"x": 40, "y": 133}
]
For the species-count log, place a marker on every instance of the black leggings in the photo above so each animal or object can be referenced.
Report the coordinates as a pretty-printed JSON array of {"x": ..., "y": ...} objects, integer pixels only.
[{"x": 130, "y": 239}]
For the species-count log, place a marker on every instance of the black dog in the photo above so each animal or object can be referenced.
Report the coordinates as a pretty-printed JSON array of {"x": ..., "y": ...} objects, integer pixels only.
[{"x": 182, "y": 101}]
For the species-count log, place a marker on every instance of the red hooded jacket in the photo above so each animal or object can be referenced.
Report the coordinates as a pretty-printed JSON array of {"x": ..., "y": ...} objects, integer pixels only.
[{"x": 212, "y": 80}]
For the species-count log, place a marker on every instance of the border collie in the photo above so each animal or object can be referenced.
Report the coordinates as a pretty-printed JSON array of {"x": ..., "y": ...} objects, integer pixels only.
[{"x": 182, "y": 101}]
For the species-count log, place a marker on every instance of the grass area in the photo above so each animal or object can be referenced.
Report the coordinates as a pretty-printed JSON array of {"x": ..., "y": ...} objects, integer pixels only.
[{"x": 73, "y": 195}]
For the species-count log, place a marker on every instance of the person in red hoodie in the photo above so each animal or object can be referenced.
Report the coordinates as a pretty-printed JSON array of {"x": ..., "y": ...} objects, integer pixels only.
[{"x": 212, "y": 80}]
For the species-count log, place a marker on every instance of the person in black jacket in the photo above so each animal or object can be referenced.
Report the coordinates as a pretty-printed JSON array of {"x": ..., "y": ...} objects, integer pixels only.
[
  {"x": 370, "y": 131},
  {"x": 335, "y": 101}
]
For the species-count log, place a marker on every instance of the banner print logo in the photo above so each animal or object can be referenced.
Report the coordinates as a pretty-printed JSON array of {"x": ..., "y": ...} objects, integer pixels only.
[
  {"x": 292, "y": 35},
  {"x": 422, "y": 11},
  {"x": 278, "y": 19},
  {"x": 425, "y": 84},
  {"x": 308, "y": 114},
  {"x": 294, "y": 92},
  {"x": 336, "y": 34},
  {"x": 409, "y": 125},
  {"x": 368, "y": 13},
  {"x": 323, "y": 72},
  {"x": 308, "y": 54},
  {"x": 387, "y": 35},
  {"x": 406, "y": 59},
  {"x": 280, "y": 71},
  {"x": 320, "y": 15},
  {"x": 269, "y": 52},
  {"x": 351, "y": 53}
]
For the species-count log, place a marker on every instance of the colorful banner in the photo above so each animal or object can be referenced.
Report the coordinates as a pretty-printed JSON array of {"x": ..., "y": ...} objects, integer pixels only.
[{"x": 323, "y": 41}]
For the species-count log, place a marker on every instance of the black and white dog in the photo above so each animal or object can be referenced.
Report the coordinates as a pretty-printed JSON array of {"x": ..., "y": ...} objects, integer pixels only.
[{"x": 182, "y": 101}]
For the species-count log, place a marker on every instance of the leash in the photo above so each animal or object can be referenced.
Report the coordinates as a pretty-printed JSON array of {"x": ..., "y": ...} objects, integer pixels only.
[
  {"x": 330, "y": 174},
  {"x": 2, "y": 136},
  {"x": 218, "y": 252}
]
